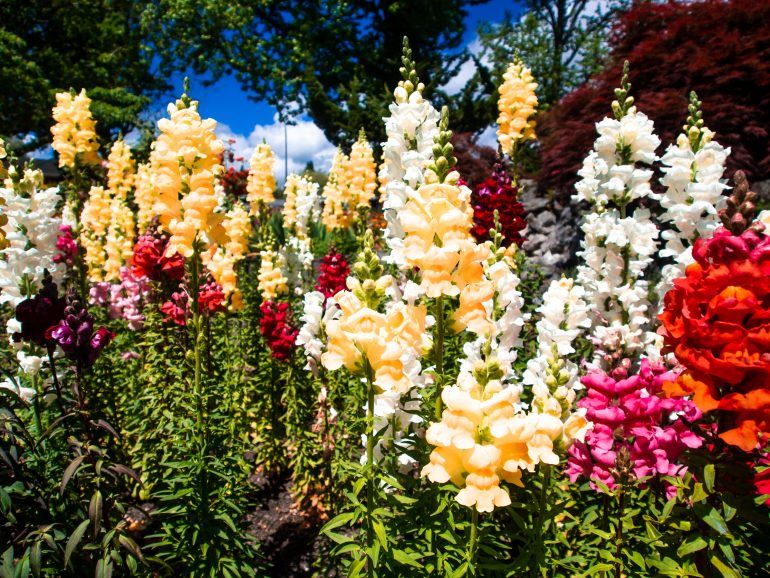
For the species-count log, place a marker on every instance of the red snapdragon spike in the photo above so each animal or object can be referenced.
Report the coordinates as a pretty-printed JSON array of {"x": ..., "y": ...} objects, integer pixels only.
[
  {"x": 716, "y": 320},
  {"x": 150, "y": 261},
  {"x": 334, "y": 272},
  {"x": 276, "y": 329},
  {"x": 497, "y": 193}
]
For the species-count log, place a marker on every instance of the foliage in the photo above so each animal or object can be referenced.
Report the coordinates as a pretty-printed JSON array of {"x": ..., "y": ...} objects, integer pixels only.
[
  {"x": 664, "y": 42},
  {"x": 47, "y": 47},
  {"x": 333, "y": 60}
]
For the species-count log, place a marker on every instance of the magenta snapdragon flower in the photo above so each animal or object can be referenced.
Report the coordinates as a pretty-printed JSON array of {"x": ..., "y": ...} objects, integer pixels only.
[{"x": 633, "y": 423}]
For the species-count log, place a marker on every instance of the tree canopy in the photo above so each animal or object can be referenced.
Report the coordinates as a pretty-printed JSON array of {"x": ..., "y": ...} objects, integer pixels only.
[
  {"x": 336, "y": 61},
  {"x": 49, "y": 46},
  {"x": 719, "y": 49}
]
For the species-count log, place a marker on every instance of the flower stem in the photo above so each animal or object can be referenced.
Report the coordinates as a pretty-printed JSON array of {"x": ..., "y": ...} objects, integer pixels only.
[
  {"x": 56, "y": 384},
  {"x": 439, "y": 354},
  {"x": 545, "y": 478},
  {"x": 369, "y": 466},
  {"x": 619, "y": 532},
  {"x": 472, "y": 542}
]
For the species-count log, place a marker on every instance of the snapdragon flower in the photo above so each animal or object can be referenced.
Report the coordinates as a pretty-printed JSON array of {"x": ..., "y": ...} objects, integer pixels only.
[
  {"x": 692, "y": 168},
  {"x": 617, "y": 248},
  {"x": 271, "y": 280},
  {"x": 74, "y": 131},
  {"x": 517, "y": 104},
  {"x": 260, "y": 183},
  {"x": 411, "y": 128},
  {"x": 185, "y": 161},
  {"x": 335, "y": 214}
]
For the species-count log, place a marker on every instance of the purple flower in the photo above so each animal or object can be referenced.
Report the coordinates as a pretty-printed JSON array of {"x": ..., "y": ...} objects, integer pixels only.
[
  {"x": 76, "y": 336},
  {"x": 37, "y": 314}
]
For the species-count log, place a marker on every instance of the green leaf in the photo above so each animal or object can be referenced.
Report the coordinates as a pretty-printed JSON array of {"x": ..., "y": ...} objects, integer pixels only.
[
  {"x": 379, "y": 529},
  {"x": 337, "y": 521},
  {"x": 715, "y": 520},
  {"x": 723, "y": 568},
  {"x": 699, "y": 494},
  {"x": 708, "y": 477},
  {"x": 70, "y": 471},
  {"x": 95, "y": 512},
  {"x": 404, "y": 558},
  {"x": 74, "y": 540},
  {"x": 690, "y": 546}
]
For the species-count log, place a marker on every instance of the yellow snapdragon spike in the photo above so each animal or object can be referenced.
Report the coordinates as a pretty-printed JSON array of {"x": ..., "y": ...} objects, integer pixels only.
[
  {"x": 516, "y": 105},
  {"x": 74, "y": 131},
  {"x": 361, "y": 174},
  {"x": 185, "y": 162},
  {"x": 271, "y": 280},
  {"x": 95, "y": 219},
  {"x": 335, "y": 214},
  {"x": 260, "y": 183},
  {"x": 121, "y": 170},
  {"x": 119, "y": 241}
]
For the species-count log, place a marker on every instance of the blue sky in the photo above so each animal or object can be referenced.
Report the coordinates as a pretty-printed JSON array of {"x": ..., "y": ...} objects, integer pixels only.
[
  {"x": 247, "y": 123},
  {"x": 229, "y": 105}
]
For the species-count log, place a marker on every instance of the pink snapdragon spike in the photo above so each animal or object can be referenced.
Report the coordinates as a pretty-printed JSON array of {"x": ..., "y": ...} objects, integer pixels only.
[
  {"x": 631, "y": 418},
  {"x": 124, "y": 300}
]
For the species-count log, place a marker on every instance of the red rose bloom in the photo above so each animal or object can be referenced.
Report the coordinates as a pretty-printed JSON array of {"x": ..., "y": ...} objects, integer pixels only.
[
  {"x": 334, "y": 273},
  {"x": 497, "y": 193},
  {"x": 716, "y": 321},
  {"x": 276, "y": 330}
]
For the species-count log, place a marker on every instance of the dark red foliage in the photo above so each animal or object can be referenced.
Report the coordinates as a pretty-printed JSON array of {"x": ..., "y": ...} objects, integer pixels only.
[
  {"x": 473, "y": 160},
  {"x": 276, "y": 329},
  {"x": 720, "y": 49},
  {"x": 498, "y": 193},
  {"x": 334, "y": 271}
]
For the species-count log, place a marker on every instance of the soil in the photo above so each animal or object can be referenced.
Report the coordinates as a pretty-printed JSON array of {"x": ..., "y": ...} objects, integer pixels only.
[{"x": 288, "y": 537}]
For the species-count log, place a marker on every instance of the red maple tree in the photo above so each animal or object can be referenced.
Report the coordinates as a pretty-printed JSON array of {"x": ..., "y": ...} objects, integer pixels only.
[{"x": 719, "y": 48}]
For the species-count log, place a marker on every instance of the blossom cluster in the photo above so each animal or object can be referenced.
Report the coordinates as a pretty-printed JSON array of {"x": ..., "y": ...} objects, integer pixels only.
[
  {"x": 277, "y": 330},
  {"x": 260, "y": 183},
  {"x": 184, "y": 162},
  {"x": 618, "y": 247},
  {"x": 517, "y": 104},
  {"x": 123, "y": 300},
  {"x": 637, "y": 432},
  {"x": 411, "y": 129},
  {"x": 692, "y": 175},
  {"x": 715, "y": 323},
  {"x": 498, "y": 194},
  {"x": 74, "y": 131}
]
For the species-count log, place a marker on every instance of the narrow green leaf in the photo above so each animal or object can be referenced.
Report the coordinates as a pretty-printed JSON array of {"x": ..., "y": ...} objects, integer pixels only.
[
  {"x": 74, "y": 540},
  {"x": 690, "y": 546}
]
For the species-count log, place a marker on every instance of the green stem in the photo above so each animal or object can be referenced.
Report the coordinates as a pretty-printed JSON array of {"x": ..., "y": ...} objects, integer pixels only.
[
  {"x": 472, "y": 542},
  {"x": 198, "y": 345},
  {"x": 545, "y": 476},
  {"x": 439, "y": 353},
  {"x": 36, "y": 405},
  {"x": 369, "y": 467},
  {"x": 619, "y": 532}
]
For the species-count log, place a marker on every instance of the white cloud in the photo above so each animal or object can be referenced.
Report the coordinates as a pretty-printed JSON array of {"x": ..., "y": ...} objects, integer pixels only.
[
  {"x": 488, "y": 137},
  {"x": 306, "y": 142},
  {"x": 467, "y": 68}
]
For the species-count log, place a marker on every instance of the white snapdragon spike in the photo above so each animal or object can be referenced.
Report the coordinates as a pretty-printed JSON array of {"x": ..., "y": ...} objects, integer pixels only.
[
  {"x": 308, "y": 207},
  {"x": 309, "y": 336},
  {"x": 31, "y": 230},
  {"x": 617, "y": 248},
  {"x": 692, "y": 168},
  {"x": 411, "y": 128},
  {"x": 564, "y": 316}
]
